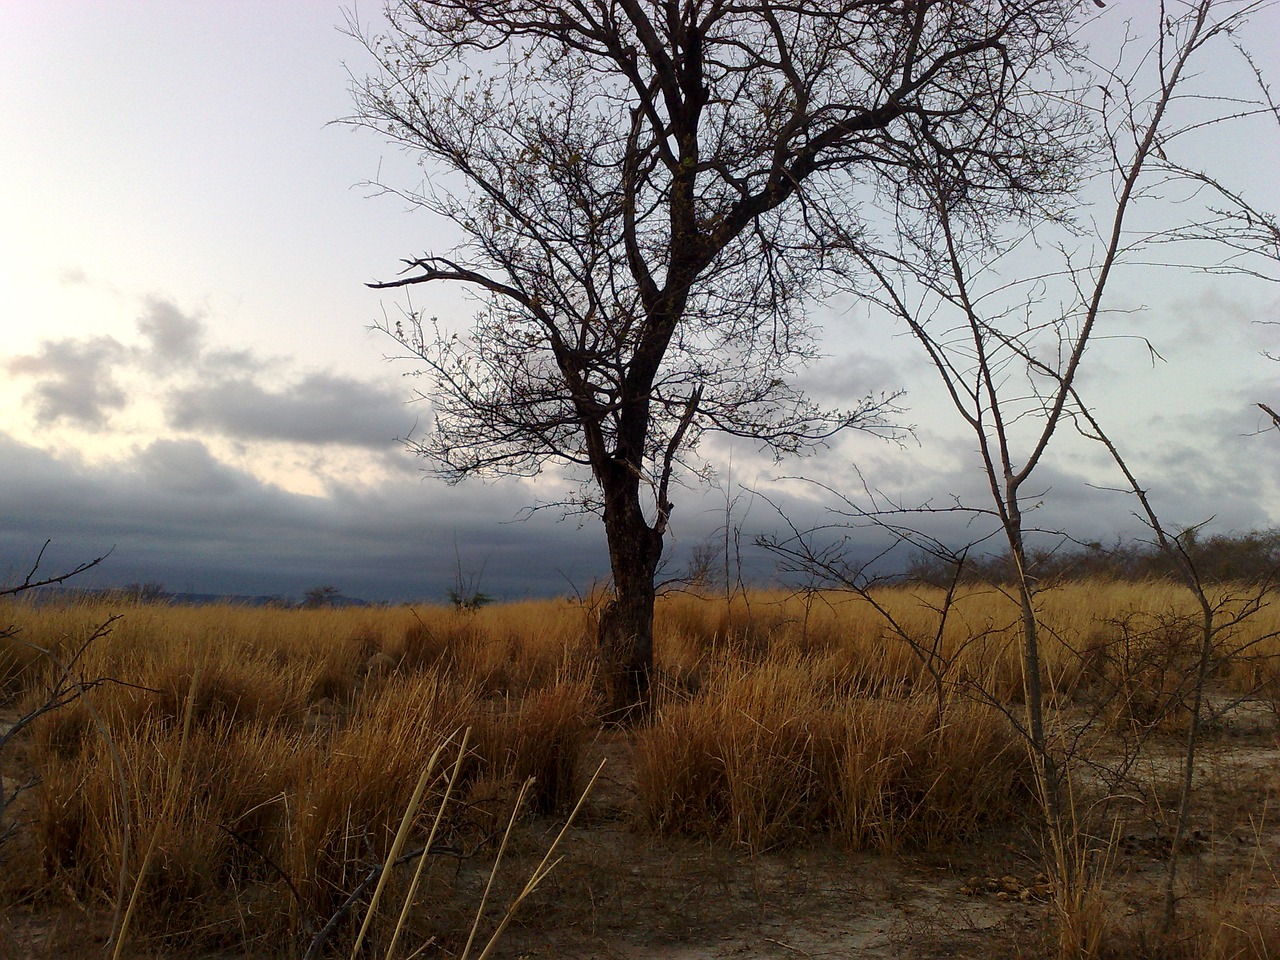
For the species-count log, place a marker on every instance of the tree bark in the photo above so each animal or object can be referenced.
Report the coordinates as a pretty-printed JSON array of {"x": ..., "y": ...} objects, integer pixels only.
[{"x": 626, "y": 625}]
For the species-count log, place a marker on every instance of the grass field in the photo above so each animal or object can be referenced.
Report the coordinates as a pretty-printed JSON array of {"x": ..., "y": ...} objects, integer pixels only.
[{"x": 231, "y": 776}]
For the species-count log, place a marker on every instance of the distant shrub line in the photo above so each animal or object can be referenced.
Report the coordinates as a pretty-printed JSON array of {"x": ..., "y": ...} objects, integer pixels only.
[{"x": 1245, "y": 558}]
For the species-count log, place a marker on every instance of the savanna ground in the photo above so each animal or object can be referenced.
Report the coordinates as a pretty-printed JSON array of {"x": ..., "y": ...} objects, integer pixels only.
[{"x": 225, "y": 782}]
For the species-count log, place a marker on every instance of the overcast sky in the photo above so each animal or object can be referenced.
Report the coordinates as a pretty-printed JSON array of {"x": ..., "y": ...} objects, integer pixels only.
[{"x": 188, "y": 378}]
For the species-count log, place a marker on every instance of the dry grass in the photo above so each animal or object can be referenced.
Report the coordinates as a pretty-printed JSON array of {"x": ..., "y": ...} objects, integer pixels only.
[
  {"x": 781, "y": 719},
  {"x": 1227, "y": 923},
  {"x": 298, "y": 762},
  {"x": 1114, "y": 635},
  {"x": 775, "y": 753}
]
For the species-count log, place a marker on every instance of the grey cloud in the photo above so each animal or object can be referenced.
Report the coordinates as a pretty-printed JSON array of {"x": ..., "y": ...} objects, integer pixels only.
[
  {"x": 186, "y": 468},
  {"x": 230, "y": 364},
  {"x": 75, "y": 380},
  {"x": 1247, "y": 417},
  {"x": 1215, "y": 313},
  {"x": 1077, "y": 491},
  {"x": 175, "y": 341},
  {"x": 234, "y": 393},
  {"x": 320, "y": 408},
  {"x": 397, "y": 461},
  {"x": 175, "y": 515},
  {"x": 79, "y": 380},
  {"x": 1225, "y": 477},
  {"x": 173, "y": 336},
  {"x": 842, "y": 381}
]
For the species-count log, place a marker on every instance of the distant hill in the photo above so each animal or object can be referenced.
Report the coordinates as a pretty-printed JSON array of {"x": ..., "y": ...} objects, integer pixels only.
[{"x": 106, "y": 595}]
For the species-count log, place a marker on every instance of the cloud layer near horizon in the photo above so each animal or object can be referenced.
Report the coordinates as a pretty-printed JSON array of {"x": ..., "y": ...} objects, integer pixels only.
[
  {"x": 223, "y": 471},
  {"x": 172, "y": 513}
]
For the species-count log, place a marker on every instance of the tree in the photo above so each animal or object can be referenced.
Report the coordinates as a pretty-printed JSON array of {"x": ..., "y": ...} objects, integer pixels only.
[
  {"x": 317, "y": 598},
  {"x": 149, "y": 592},
  {"x": 1008, "y": 345},
  {"x": 1275, "y": 417},
  {"x": 1009, "y": 350},
  {"x": 652, "y": 194}
]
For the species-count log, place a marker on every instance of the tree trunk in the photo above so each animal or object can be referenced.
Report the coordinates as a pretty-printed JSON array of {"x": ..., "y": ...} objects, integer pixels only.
[{"x": 626, "y": 625}]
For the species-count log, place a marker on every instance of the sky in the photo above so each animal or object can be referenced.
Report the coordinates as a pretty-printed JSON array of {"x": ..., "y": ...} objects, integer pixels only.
[{"x": 189, "y": 379}]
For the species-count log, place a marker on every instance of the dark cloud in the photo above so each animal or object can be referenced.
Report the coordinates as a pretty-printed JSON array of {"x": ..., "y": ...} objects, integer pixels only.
[
  {"x": 185, "y": 468},
  {"x": 321, "y": 408},
  {"x": 173, "y": 514},
  {"x": 75, "y": 380},
  {"x": 1077, "y": 492},
  {"x": 176, "y": 515}
]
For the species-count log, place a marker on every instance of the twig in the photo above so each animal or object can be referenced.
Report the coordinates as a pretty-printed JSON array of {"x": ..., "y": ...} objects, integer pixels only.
[
  {"x": 340, "y": 914},
  {"x": 30, "y": 583}
]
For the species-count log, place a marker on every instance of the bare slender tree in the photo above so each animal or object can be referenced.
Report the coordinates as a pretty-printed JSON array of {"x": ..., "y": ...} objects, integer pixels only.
[
  {"x": 1009, "y": 346},
  {"x": 650, "y": 196},
  {"x": 1009, "y": 356}
]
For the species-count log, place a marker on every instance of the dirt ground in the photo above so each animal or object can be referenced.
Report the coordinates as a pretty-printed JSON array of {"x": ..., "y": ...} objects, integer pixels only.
[
  {"x": 623, "y": 895},
  {"x": 620, "y": 893}
]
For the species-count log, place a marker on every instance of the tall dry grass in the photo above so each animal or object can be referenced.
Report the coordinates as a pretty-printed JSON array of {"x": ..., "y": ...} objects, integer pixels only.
[
  {"x": 780, "y": 752},
  {"x": 1102, "y": 635},
  {"x": 307, "y": 733},
  {"x": 513, "y": 648},
  {"x": 780, "y": 718}
]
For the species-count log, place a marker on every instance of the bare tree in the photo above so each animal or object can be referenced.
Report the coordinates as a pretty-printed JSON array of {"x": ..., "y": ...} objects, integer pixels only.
[
  {"x": 320, "y": 597},
  {"x": 651, "y": 194},
  {"x": 1275, "y": 417},
  {"x": 1008, "y": 356},
  {"x": 1009, "y": 347},
  {"x": 34, "y": 579}
]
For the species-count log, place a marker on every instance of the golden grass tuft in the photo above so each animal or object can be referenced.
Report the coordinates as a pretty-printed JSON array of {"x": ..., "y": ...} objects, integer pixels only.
[
  {"x": 544, "y": 737},
  {"x": 767, "y": 755}
]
